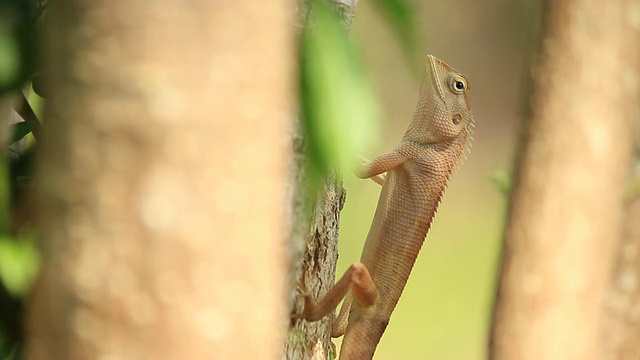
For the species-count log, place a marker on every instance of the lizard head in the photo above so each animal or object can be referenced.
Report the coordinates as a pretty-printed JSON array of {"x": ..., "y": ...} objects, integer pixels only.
[{"x": 443, "y": 110}]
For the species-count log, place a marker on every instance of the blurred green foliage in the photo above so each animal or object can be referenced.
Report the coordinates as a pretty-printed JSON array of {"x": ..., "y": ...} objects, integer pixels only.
[
  {"x": 18, "y": 264},
  {"x": 20, "y": 130},
  {"x": 340, "y": 115},
  {"x": 9, "y": 60},
  {"x": 339, "y": 112},
  {"x": 502, "y": 181},
  {"x": 19, "y": 62}
]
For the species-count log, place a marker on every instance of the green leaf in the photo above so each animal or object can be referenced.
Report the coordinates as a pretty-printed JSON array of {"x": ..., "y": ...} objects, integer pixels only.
[
  {"x": 10, "y": 59},
  {"x": 21, "y": 130},
  {"x": 340, "y": 115},
  {"x": 18, "y": 264},
  {"x": 502, "y": 181}
]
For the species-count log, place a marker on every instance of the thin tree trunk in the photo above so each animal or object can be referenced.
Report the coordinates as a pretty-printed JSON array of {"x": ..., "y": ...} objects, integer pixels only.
[
  {"x": 315, "y": 236},
  {"x": 162, "y": 181},
  {"x": 567, "y": 207},
  {"x": 317, "y": 271}
]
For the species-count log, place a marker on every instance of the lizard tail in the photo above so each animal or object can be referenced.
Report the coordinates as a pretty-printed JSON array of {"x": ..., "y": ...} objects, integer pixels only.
[{"x": 361, "y": 338}]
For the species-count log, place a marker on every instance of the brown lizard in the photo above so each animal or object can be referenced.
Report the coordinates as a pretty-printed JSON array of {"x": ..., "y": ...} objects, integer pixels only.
[{"x": 417, "y": 172}]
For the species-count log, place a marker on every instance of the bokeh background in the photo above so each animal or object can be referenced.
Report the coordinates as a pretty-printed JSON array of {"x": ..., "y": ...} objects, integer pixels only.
[{"x": 445, "y": 310}]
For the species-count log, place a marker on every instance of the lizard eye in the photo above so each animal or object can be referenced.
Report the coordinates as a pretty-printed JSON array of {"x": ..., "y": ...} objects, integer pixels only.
[{"x": 457, "y": 84}]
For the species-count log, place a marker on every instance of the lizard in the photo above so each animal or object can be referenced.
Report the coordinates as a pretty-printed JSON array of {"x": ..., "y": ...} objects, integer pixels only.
[{"x": 413, "y": 176}]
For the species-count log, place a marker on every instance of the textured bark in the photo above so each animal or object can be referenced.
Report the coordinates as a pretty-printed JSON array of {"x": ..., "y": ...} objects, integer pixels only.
[
  {"x": 162, "y": 181},
  {"x": 317, "y": 270},
  {"x": 314, "y": 237},
  {"x": 567, "y": 208}
]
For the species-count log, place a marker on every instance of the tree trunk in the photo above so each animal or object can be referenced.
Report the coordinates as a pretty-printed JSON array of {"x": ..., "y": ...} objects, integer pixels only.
[
  {"x": 162, "y": 181},
  {"x": 315, "y": 236},
  {"x": 567, "y": 207},
  {"x": 621, "y": 327}
]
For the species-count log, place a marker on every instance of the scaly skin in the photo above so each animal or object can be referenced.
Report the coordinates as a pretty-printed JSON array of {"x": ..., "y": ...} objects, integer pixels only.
[{"x": 417, "y": 172}]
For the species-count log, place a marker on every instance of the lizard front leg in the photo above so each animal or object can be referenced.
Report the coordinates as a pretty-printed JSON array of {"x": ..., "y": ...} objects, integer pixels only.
[
  {"x": 374, "y": 169},
  {"x": 378, "y": 179}
]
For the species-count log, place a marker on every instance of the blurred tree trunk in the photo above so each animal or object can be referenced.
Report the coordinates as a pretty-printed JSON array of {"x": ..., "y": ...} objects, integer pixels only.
[
  {"x": 567, "y": 208},
  {"x": 162, "y": 181},
  {"x": 315, "y": 234},
  {"x": 621, "y": 327},
  {"x": 7, "y": 104}
]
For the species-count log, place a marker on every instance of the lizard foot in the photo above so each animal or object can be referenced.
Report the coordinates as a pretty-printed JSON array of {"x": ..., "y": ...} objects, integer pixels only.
[{"x": 309, "y": 302}]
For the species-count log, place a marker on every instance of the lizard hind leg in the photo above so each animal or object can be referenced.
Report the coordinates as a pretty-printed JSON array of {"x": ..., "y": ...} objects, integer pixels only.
[{"x": 358, "y": 280}]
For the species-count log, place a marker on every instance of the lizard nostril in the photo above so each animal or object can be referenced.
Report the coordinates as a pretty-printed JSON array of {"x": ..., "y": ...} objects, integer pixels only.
[{"x": 456, "y": 119}]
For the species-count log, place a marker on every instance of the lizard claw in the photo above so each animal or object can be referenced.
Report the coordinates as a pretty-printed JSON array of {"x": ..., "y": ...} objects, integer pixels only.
[
  {"x": 302, "y": 291},
  {"x": 363, "y": 160},
  {"x": 361, "y": 172}
]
